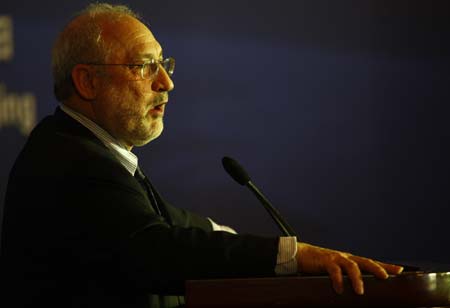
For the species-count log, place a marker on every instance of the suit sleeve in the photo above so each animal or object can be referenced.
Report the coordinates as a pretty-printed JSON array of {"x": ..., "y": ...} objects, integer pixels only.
[
  {"x": 181, "y": 217},
  {"x": 120, "y": 229}
]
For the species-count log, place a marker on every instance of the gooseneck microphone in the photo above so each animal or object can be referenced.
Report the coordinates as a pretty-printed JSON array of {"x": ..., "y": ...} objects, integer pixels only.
[{"x": 238, "y": 173}]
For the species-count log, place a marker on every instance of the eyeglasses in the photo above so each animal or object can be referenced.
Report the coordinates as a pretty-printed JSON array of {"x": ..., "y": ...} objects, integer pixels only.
[{"x": 149, "y": 69}]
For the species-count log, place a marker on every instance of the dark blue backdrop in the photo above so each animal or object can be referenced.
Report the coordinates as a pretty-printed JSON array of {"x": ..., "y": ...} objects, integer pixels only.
[{"x": 338, "y": 109}]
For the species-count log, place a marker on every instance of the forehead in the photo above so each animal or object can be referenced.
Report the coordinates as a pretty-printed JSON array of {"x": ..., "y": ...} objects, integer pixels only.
[{"x": 131, "y": 40}]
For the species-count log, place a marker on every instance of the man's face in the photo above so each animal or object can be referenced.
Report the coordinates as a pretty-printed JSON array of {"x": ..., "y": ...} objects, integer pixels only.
[{"x": 131, "y": 108}]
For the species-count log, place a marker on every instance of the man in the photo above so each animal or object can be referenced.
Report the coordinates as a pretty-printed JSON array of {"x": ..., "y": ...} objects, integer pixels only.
[{"x": 83, "y": 227}]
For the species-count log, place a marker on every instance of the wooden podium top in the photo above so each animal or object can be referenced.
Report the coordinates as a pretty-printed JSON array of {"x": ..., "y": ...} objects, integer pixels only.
[{"x": 410, "y": 289}]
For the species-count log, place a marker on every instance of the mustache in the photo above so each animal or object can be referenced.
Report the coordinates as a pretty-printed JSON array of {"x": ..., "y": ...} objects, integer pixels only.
[{"x": 163, "y": 98}]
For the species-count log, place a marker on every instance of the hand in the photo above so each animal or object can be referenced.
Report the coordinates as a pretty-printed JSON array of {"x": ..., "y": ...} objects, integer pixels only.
[{"x": 316, "y": 260}]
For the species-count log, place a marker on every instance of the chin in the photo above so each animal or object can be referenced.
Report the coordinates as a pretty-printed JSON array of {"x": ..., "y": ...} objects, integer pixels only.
[{"x": 152, "y": 136}]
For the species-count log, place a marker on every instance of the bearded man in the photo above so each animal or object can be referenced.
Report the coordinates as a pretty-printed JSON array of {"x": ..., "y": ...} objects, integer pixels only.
[{"x": 84, "y": 227}]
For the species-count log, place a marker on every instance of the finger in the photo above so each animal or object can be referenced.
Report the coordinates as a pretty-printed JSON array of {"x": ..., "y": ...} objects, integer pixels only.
[
  {"x": 354, "y": 274},
  {"x": 371, "y": 266},
  {"x": 335, "y": 273},
  {"x": 391, "y": 268},
  {"x": 388, "y": 268}
]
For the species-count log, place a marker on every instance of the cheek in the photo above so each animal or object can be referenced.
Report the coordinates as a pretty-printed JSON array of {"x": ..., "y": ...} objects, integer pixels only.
[
  {"x": 129, "y": 96},
  {"x": 142, "y": 87},
  {"x": 141, "y": 96}
]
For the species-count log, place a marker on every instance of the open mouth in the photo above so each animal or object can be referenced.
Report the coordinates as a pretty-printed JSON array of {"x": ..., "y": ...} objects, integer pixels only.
[{"x": 158, "y": 109}]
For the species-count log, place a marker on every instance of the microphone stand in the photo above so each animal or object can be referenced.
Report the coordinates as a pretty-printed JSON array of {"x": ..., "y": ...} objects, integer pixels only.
[{"x": 285, "y": 228}]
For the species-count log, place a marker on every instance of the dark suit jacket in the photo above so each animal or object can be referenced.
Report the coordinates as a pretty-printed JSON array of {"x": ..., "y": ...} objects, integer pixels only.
[{"x": 79, "y": 231}]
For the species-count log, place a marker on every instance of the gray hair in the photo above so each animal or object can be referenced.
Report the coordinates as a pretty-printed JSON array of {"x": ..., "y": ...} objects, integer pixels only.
[{"x": 83, "y": 43}]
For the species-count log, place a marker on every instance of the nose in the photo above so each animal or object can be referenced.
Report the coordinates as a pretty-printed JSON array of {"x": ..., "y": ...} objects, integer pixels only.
[{"x": 162, "y": 82}]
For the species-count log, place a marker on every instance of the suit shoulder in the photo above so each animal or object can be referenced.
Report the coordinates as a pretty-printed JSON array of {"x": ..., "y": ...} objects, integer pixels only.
[{"x": 66, "y": 148}]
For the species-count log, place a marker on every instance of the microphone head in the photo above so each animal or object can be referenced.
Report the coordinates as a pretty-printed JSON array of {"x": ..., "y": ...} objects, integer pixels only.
[{"x": 235, "y": 170}]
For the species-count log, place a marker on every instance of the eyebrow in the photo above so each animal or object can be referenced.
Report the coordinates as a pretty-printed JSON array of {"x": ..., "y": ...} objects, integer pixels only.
[{"x": 150, "y": 56}]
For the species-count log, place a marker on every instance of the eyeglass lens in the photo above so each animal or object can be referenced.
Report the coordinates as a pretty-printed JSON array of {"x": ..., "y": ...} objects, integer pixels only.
[
  {"x": 151, "y": 68},
  {"x": 169, "y": 65}
]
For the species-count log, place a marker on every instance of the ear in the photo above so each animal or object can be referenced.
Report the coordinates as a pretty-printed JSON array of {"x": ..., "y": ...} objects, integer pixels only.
[{"x": 84, "y": 81}]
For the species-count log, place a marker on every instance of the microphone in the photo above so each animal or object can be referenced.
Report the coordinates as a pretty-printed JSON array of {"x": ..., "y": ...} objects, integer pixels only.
[{"x": 238, "y": 173}]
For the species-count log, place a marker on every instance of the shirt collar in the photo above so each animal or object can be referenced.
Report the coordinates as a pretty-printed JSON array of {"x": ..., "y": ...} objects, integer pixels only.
[{"x": 126, "y": 158}]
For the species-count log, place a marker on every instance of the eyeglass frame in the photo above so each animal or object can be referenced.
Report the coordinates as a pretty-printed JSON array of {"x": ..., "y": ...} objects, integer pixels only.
[{"x": 160, "y": 63}]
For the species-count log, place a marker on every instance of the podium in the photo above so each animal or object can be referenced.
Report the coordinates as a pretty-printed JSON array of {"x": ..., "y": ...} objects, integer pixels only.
[{"x": 410, "y": 289}]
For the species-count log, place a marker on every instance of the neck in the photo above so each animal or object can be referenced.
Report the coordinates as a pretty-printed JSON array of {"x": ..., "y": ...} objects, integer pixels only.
[
  {"x": 82, "y": 107},
  {"x": 86, "y": 109}
]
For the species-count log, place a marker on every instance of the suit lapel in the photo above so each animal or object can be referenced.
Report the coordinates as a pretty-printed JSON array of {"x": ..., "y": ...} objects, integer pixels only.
[{"x": 74, "y": 128}]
